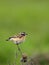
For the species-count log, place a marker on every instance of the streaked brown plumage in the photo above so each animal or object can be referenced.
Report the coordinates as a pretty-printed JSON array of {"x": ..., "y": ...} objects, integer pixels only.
[{"x": 18, "y": 38}]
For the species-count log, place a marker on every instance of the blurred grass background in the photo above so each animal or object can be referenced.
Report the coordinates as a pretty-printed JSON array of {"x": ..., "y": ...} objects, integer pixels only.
[{"x": 29, "y": 16}]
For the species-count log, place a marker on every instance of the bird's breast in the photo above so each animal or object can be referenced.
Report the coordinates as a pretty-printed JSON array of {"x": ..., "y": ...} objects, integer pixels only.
[{"x": 18, "y": 39}]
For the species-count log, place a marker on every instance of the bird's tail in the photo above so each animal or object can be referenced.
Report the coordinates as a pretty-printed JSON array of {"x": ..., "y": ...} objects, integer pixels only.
[{"x": 8, "y": 39}]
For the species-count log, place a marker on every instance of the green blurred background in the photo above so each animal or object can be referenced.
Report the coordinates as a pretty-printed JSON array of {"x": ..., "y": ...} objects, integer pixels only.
[{"x": 18, "y": 16}]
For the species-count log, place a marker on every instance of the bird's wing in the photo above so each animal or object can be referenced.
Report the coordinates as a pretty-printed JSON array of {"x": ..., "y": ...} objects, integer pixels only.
[
  {"x": 16, "y": 36},
  {"x": 19, "y": 36},
  {"x": 13, "y": 36}
]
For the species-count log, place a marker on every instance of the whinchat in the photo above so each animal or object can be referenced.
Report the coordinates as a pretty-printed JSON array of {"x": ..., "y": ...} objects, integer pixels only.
[{"x": 17, "y": 39}]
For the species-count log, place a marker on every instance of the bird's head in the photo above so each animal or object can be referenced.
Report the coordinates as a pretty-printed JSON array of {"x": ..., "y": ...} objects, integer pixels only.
[{"x": 23, "y": 33}]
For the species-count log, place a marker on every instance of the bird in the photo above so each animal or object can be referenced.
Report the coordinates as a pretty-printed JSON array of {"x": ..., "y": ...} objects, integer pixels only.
[{"x": 17, "y": 39}]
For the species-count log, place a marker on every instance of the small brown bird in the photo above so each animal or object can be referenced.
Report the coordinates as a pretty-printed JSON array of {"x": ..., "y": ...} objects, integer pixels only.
[{"x": 17, "y": 39}]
